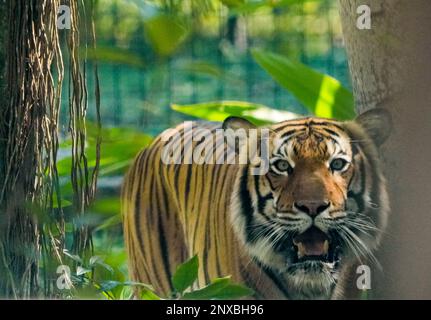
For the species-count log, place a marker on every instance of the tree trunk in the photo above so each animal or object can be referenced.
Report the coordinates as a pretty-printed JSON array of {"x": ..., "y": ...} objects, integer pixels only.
[{"x": 390, "y": 68}]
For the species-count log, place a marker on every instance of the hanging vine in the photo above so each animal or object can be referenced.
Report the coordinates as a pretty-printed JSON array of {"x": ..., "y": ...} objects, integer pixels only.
[{"x": 32, "y": 222}]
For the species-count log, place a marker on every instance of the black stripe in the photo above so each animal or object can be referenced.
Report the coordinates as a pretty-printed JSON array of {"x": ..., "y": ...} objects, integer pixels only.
[
  {"x": 331, "y": 132},
  {"x": 261, "y": 201},
  {"x": 325, "y": 123},
  {"x": 359, "y": 196},
  {"x": 138, "y": 212},
  {"x": 290, "y": 132},
  {"x": 355, "y": 150},
  {"x": 164, "y": 250},
  {"x": 272, "y": 275},
  {"x": 187, "y": 186},
  {"x": 246, "y": 207}
]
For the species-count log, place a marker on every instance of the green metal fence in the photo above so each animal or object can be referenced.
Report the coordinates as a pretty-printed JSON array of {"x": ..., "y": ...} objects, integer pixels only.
[{"x": 212, "y": 62}]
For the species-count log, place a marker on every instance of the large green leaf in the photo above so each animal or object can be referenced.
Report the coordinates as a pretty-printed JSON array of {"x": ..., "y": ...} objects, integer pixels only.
[
  {"x": 220, "y": 110},
  {"x": 323, "y": 95},
  {"x": 186, "y": 274}
]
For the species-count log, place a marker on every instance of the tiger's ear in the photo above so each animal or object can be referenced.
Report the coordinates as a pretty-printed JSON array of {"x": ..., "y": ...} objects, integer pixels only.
[
  {"x": 377, "y": 123},
  {"x": 237, "y": 132},
  {"x": 236, "y": 123}
]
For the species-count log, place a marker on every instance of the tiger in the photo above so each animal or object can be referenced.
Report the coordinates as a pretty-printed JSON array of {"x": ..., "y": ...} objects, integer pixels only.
[{"x": 297, "y": 230}]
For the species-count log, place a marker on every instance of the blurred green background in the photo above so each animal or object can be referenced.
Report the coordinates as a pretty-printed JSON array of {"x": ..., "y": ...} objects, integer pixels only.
[
  {"x": 154, "y": 53},
  {"x": 286, "y": 55}
]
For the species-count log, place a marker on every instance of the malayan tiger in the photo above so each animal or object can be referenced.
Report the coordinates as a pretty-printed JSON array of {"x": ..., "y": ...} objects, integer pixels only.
[{"x": 295, "y": 231}]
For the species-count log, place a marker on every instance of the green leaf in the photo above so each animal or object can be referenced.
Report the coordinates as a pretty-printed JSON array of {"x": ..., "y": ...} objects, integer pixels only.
[
  {"x": 252, "y": 6},
  {"x": 114, "y": 56},
  {"x": 186, "y": 274},
  {"x": 210, "y": 291},
  {"x": 80, "y": 271},
  {"x": 149, "y": 295},
  {"x": 202, "y": 67},
  {"x": 233, "y": 3},
  {"x": 138, "y": 284},
  {"x": 64, "y": 202},
  {"x": 74, "y": 257},
  {"x": 94, "y": 260},
  {"x": 109, "y": 285},
  {"x": 220, "y": 110},
  {"x": 106, "y": 206},
  {"x": 126, "y": 293},
  {"x": 166, "y": 32},
  {"x": 119, "y": 148},
  {"x": 233, "y": 291},
  {"x": 109, "y": 223},
  {"x": 99, "y": 261},
  {"x": 323, "y": 95}
]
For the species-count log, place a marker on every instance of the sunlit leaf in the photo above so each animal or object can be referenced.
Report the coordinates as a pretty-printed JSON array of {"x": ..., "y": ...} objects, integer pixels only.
[
  {"x": 220, "y": 110},
  {"x": 323, "y": 95},
  {"x": 94, "y": 260},
  {"x": 186, "y": 274},
  {"x": 126, "y": 293},
  {"x": 149, "y": 295},
  {"x": 80, "y": 271}
]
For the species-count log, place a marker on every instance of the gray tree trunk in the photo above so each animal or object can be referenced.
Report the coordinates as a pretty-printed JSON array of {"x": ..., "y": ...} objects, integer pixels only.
[{"x": 390, "y": 67}]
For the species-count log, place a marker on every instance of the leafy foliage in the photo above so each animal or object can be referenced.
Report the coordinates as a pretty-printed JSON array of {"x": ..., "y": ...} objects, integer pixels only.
[
  {"x": 86, "y": 283},
  {"x": 166, "y": 32},
  {"x": 186, "y": 274},
  {"x": 219, "y": 288},
  {"x": 220, "y": 110},
  {"x": 323, "y": 95},
  {"x": 250, "y": 7}
]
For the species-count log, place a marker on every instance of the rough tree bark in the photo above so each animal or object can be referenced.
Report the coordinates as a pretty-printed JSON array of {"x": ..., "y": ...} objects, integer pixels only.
[
  {"x": 31, "y": 217},
  {"x": 390, "y": 68},
  {"x": 28, "y": 128}
]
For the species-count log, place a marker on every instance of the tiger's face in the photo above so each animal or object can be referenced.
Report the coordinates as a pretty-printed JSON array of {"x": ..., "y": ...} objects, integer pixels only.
[{"x": 321, "y": 205}]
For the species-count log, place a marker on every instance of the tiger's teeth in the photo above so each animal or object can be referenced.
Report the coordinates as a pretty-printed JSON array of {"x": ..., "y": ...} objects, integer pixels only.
[
  {"x": 325, "y": 247},
  {"x": 301, "y": 250}
]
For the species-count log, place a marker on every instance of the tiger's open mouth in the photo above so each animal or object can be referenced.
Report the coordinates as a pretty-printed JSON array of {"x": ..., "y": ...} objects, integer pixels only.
[{"x": 316, "y": 245}]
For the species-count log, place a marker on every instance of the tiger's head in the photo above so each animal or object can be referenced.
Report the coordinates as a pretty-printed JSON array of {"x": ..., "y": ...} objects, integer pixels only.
[{"x": 321, "y": 205}]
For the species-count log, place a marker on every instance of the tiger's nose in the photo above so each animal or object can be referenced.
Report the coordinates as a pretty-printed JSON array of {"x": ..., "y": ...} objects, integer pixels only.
[{"x": 311, "y": 207}]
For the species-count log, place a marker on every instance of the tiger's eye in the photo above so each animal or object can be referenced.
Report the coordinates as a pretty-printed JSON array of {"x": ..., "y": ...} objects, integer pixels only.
[
  {"x": 283, "y": 166},
  {"x": 338, "y": 164}
]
